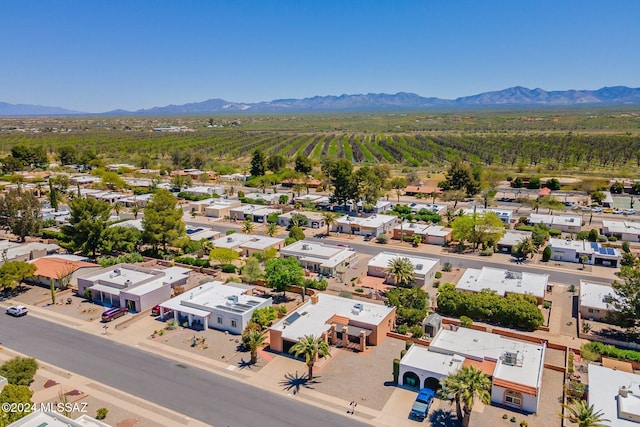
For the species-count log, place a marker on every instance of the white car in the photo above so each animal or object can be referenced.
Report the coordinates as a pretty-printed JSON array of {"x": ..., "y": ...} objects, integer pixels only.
[
  {"x": 596, "y": 209},
  {"x": 617, "y": 211},
  {"x": 629, "y": 211},
  {"x": 17, "y": 310}
]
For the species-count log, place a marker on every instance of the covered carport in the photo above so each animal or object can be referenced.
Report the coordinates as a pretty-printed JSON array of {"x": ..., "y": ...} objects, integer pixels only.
[{"x": 105, "y": 292}]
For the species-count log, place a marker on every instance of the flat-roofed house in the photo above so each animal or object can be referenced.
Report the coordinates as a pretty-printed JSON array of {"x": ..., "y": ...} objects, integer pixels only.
[
  {"x": 515, "y": 367},
  {"x": 431, "y": 233},
  {"x": 226, "y": 307},
  {"x": 424, "y": 269},
  {"x": 512, "y": 238},
  {"x": 623, "y": 230},
  {"x": 574, "y": 250},
  {"x": 615, "y": 392},
  {"x": 342, "y": 322},
  {"x": 504, "y": 282},
  {"x": 220, "y": 208},
  {"x": 324, "y": 259},
  {"x": 595, "y": 300},
  {"x": 127, "y": 285},
  {"x": 504, "y": 215},
  {"x": 373, "y": 225},
  {"x": 565, "y": 223},
  {"x": 315, "y": 218},
  {"x": 248, "y": 244}
]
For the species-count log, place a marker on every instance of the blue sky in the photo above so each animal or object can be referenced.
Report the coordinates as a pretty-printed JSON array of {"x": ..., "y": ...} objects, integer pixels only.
[{"x": 100, "y": 55}]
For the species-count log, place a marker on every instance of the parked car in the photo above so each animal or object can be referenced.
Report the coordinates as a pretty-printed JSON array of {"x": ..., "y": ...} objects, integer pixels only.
[
  {"x": 155, "y": 311},
  {"x": 617, "y": 211},
  {"x": 114, "y": 313},
  {"x": 629, "y": 211},
  {"x": 596, "y": 209},
  {"x": 569, "y": 204},
  {"x": 607, "y": 210},
  {"x": 420, "y": 407},
  {"x": 17, "y": 310}
]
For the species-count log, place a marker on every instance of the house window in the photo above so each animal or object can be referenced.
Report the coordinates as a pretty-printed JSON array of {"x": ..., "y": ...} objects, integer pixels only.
[
  {"x": 219, "y": 320},
  {"x": 234, "y": 324},
  {"x": 590, "y": 310},
  {"x": 513, "y": 398}
]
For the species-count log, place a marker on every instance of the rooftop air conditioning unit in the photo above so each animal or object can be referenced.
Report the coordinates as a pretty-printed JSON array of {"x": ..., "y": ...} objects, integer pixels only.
[
  {"x": 229, "y": 239},
  {"x": 357, "y": 308},
  {"x": 305, "y": 247}
]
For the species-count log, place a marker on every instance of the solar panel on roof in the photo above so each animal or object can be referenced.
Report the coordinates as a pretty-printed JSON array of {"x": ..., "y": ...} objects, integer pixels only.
[
  {"x": 289, "y": 320},
  {"x": 610, "y": 251},
  {"x": 594, "y": 246}
]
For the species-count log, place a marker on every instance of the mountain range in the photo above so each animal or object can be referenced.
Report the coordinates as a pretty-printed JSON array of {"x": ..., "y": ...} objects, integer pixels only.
[{"x": 512, "y": 97}]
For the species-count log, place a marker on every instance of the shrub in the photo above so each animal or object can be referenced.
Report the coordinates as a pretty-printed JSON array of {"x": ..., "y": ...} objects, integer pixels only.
[
  {"x": 546, "y": 254},
  {"x": 282, "y": 309},
  {"x": 296, "y": 233},
  {"x": 289, "y": 240},
  {"x": 447, "y": 266},
  {"x": 436, "y": 284},
  {"x": 625, "y": 247},
  {"x": 51, "y": 234},
  {"x": 524, "y": 227},
  {"x": 547, "y": 304},
  {"x": 359, "y": 290},
  {"x": 229, "y": 232},
  {"x": 172, "y": 324},
  {"x": 345, "y": 294},
  {"x": 19, "y": 370},
  {"x": 486, "y": 252},
  {"x": 101, "y": 413},
  {"x": 583, "y": 235},
  {"x": 611, "y": 351},
  {"x": 602, "y": 239},
  {"x": 438, "y": 275},
  {"x": 416, "y": 331},
  {"x": 402, "y": 329},
  {"x": 554, "y": 232},
  {"x": 613, "y": 239},
  {"x": 382, "y": 238},
  {"x": 197, "y": 262},
  {"x": 229, "y": 268},
  {"x": 593, "y": 235},
  {"x": 264, "y": 316},
  {"x": 131, "y": 258}
]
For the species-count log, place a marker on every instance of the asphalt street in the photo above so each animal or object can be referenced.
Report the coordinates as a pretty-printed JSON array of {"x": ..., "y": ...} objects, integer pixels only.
[{"x": 196, "y": 393}]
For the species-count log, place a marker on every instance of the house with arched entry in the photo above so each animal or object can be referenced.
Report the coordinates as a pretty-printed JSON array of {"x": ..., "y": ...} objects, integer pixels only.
[{"x": 514, "y": 367}]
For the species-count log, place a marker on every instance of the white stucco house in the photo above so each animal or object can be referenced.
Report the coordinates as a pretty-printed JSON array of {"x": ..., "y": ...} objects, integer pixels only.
[
  {"x": 515, "y": 367},
  {"x": 574, "y": 250},
  {"x": 504, "y": 282},
  {"x": 216, "y": 305},
  {"x": 424, "y": 269}
]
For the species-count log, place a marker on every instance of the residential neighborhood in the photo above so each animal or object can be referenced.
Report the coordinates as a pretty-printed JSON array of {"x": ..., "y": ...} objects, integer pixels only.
[{"x": 228, "y": 284}]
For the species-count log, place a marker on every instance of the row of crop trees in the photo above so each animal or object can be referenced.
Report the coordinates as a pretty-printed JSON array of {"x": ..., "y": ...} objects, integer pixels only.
[{"x": 415, "y": 149}]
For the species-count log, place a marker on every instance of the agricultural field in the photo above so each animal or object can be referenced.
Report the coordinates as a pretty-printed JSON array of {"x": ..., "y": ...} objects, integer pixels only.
[{"x": 578, "y": 140}]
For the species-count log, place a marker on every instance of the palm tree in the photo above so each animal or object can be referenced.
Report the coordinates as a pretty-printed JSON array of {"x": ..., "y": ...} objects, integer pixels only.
[
  {"x": 312, "y": 348},
  {"x": 464, "y": 387},
  {"x": 247, "y": 227},
  {"x": 272, "y": 229},
  {"x": 329, "y": 219},
  {"x": 135, "y": 210},
  {"x": 584, "y": 415},
  {"x": 526, "y": 247},
  {"x": 255, "y": 339},
  {"x": 401, "y": 269}
]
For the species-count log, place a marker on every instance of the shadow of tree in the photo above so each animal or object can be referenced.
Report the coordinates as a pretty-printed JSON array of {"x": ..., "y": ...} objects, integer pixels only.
[
  {"x": 244, "y": 364},
  {"x": 443, "y": 418},
  {"x": 294, "y": 382}
]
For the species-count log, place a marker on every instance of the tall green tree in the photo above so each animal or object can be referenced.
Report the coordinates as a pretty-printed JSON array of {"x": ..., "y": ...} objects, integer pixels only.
[
  {"x": 398, "y": 184},
  {"x": 252, "y": 271},
  {"x": 14, "y": 272},
  {"x": 345, "y": 187},
  {"x": 485, "y": 229},
  {"x": 223, "y": 255},
  {"x": 401, "y": 270},
  {"x": 411, "y": 304},
  {"x": 626, "y": 298},
  {"x": 303, "y": 164},
  {"x": 464, "y": 387},
  {"x": 258, "y": 163},
  {"x": 20, "y": 211},
  {"x": 53, "y": 196},
  {"x": 162, "y": 222},
  {"x": 87, "y": 222},
  {"x": 120, "y": 239},
  {"x": 276, "y": 162},
  {"x": 30, "y": 155},
  {"x": 282, "y": 272},
  {"x": 311, "y": 348},
  {"x": 20, "y": 395},
  {"x": 368, "y": 184},
  {"x": 581, "y": 413},
  {"x": 460, "y": 177}
]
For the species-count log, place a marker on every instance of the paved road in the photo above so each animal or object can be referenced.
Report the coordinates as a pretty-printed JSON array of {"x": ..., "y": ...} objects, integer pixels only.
[
  {"x": 466, "y": 261},
  {"x": 199, "y": 394}
]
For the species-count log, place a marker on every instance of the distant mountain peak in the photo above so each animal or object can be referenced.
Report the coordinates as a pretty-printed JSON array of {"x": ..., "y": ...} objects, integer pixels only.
[{"x": 516, "y": 96}]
